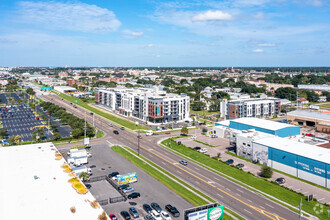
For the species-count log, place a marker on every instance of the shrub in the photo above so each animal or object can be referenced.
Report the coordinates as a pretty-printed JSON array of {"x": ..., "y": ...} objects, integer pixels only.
[{"x": 266, "y": 172}]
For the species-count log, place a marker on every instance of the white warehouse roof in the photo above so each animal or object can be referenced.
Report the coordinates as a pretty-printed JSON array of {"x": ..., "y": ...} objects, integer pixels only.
[
  {"x": 310, "y": 114},
  {"x": 262, "y": 123},
  {"x": 33, "y": 185},
  {"x": 298, "y": 148}
]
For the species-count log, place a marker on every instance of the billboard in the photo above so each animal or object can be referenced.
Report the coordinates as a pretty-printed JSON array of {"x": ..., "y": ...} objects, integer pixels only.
[
  {"x": 128, "y": 178},
  {"x": 207, "y": 212}
]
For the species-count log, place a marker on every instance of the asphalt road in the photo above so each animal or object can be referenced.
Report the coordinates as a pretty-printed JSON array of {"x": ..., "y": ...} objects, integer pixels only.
[{"x": 246, "y": 203}]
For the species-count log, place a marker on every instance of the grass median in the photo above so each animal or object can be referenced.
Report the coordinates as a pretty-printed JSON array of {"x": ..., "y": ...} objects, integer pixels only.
[
  {"x": 153, "y": 170},
  {"x": 99, "y": 134},
  {"x": 209, "y": 145},
  {"x": 111, "y": 117},
  {"x": 275, "y": 190}
]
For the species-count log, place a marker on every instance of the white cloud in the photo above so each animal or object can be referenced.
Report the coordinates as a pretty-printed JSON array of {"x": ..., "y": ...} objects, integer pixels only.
[
  {"x": 266, "y": 45},
  {"x": 67, "y": 16},
  {"x": 132, "y": 34},
  {"x": 212, "y": 16},
  {"x": 259, "y": 15},
  {"x": 150, "y": 45},
  {"x": 136, "y": 34},
  {"x": 258, "y": 51},
  {"x": 317, "y": 3}
]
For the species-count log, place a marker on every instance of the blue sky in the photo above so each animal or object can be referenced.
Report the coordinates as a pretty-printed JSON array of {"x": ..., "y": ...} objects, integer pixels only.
[{"x": 165, "y": 33}]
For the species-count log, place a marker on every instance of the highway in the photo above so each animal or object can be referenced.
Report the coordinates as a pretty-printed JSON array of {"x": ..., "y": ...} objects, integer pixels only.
[{"x": 244, "y": 202}]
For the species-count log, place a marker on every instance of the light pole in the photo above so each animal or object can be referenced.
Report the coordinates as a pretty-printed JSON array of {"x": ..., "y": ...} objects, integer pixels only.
[
  {"x": 85, "y": 125},
  {"x": 138, "y": 137}
]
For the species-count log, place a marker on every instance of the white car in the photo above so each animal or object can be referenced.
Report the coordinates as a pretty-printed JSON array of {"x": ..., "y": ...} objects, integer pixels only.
[
  {"x": 155, "y": 215},
  {"x": 165, "y": 215},
  {"x": 203, "y": 150},
  {"x": 193, "y": 137}
]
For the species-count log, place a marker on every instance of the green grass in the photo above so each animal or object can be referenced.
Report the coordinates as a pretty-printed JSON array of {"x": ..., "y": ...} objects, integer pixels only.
[
  {"x": 242, "y": 158},
  {"x": 168, "y": 182},
  {"x": 325, "y": 105},
  {"x": 204, "y": 113},
  {"x": 111, "y": 117},
  {"x": 99, "y": 134},
  {"x": 275, "y": 190},
  {"x": 204, "y": 143}
]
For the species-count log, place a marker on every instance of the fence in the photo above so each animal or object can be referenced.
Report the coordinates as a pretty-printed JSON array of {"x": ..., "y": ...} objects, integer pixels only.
[
  {"x": 95, "y": 179},
  {"x": 103, "y": 202},
  {"x": 117, "y": 199},
  {"x": 116, "y": 187}
]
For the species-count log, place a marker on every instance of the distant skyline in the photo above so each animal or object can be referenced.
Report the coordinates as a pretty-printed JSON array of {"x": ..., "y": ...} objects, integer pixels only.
[{"x": 165, "y": 33}]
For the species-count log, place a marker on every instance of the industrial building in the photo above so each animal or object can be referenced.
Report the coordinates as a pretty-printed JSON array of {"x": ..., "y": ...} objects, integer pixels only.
[
  {"x": 148, "y": 104},
  {"x": 65, "y": 89},
  {"x": 310, "y": 118},
  {"x": 35, "y": 185}
]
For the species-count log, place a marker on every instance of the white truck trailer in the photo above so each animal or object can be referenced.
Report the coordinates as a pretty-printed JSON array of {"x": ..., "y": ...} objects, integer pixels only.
[
  {"x": 78, "y": 153},
  {"x": 79, "y": 170},
  {"x": 77, "y": 161}
]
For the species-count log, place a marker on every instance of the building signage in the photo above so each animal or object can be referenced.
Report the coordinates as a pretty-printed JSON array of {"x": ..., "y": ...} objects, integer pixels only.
[
  {"x": 215, "y": 213},
  {"x": 128, "y": 178}
]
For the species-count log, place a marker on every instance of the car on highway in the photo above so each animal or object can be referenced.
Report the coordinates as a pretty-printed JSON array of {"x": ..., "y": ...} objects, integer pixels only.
[
  {"x": 147, "y": 208},
  {"x": 193, "y": 137},
  {"x": 173, "y": 210},
  {"x": 156, "y": 207},
  {"x": 122, "y": 128},
  {"x": 155, "y": 215},
  {"x": 148, "y": 217},
  {"x": 165, "y": 215},
  {"x": 121, "y": 187},
  {"x": 113, "y": 174},
  {"x": 116, "y": 132},
  {"x": 110, "y": 124},
  {"x": 280, "y": 180},
  {"x": 203, "y": 150},
  {"x": 128, "y": 189},
  {"x": 133, "y": 195},
  {"x": 125, "y": 215},
  {"x": 183, "y": 162},
  {"x": 113, "y": 217},
  {"x": 197, "y": 148},
  {"x": 240, "y": 165},
  {"x": 230, "y": 161},
  {"x": 133, "y": 212}
]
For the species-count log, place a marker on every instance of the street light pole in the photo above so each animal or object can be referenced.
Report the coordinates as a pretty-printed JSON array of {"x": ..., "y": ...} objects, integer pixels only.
[
  {"x": 85, "y": 125},
  {"x": 139, "y": 142}
]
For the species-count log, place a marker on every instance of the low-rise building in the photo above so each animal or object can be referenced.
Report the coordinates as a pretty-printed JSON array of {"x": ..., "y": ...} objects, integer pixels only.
[
  {"x": 65, "y": 89},
  {"x": 310, "y": 118}
]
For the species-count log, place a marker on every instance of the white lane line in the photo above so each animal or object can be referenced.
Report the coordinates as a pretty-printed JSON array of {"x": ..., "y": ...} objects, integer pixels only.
[
  {"x": 197, "y": 168},
  {"x": 249, "y": 200},
  {"x": 248, "y": 211},
  {"x": 197, "y": 182},
  {"x": 163, "y": 163},
  {"x": 262, "y": 207},
  {"x": 179, "y": 172},
  {"x": 238, "y": 194},
  {"x": 219, "y": 195},
  {"x": 240, "y": 190},
  {"x": 269, "y": 205},
  {"x": 228, "y": 189}
]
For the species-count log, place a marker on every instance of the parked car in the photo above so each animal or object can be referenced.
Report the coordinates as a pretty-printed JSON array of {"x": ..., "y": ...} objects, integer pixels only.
[
  {"x": 148, "y": 217},
  {"x": 156, "y": 207},
  {"x": 197, "y": 148},
  {"x": 112, "y": 217},
  {"x": 128, "y": 189},
  {"x": 133, "y": 212},
  {"x": 280, "y": 180},
  {"x": 147, "y": 208},
  {"x": 203, "y": 150},
  {"x": 193, "y": 137},
  {"x": 125, "y": 215},
  {"x": 116, "y": 132},
  {"x": 123, "y": 186},
  {"x": 214, "y": 136},
  {"x": 133, "y": 195},
  {"x": 165, "y": 215},
  {"x": 183, "y": 162},
  {"x": 122, "y": 128},
  {"x": 113, "y": 174},
  {"x": 240, "y": 165},
  {"x": 155, "y": 215},
  {"x": 173, "y": 210},
  {"x": 230, "y": 161}
]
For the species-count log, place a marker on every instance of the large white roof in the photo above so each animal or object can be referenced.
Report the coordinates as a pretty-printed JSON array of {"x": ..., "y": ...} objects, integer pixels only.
[
  {"x": 262, "y": 123},
  {"x": 298, "y": 148},
  {"x": 33, "y": 185},
  {"x": 311, "y": 114}
]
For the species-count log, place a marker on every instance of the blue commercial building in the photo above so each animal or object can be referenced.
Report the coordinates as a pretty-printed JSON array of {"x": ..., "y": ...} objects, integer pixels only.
[{"x": 266, "y": 126}]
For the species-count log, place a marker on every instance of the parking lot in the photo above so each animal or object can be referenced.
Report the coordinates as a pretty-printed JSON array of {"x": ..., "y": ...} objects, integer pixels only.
[
  {"x": 105, "y": 161},
  {"x": 20, "y": 121}
]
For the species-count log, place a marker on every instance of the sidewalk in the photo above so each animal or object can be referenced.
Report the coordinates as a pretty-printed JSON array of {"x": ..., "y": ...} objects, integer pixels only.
[{"x": 221, "y": 144}]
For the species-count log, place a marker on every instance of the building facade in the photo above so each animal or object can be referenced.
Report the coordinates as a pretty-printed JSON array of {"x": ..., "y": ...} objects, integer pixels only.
[
  {"x": 150, "y": 105},
  {"x": 253, "y": 108}
]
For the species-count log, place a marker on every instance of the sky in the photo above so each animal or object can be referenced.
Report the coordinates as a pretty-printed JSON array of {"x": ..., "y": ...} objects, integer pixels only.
[{"x": 187, "y": 33}]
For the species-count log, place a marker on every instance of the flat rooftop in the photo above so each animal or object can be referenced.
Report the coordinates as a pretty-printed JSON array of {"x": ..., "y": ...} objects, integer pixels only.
[
  {"x": 262, "y": 123},
  {"x": 313, "y": 115},
  {"x": 298, "y": 148},
  {"x": 33, "y": 185}
]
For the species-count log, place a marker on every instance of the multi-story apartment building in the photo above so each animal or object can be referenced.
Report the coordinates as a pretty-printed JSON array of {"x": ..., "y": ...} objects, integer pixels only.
[
  {"x": 253, "y": 108},
  {"x": 150, "y": 105}
]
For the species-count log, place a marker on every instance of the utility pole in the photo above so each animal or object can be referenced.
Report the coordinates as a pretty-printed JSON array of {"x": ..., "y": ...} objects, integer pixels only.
[
  {"x": 300, "y": 209},
  {"x": 139, "y": 142},
  {"x": 85, "y": 125}
]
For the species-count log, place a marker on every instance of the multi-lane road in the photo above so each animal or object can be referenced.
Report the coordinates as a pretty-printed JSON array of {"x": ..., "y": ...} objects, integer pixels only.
[{"x": 244, "y": 202}]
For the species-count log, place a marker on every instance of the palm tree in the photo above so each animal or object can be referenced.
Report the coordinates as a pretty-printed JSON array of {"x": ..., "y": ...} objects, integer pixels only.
[
  {"x": 84, "y": 176},
  {"x": 17, "y": 139}
]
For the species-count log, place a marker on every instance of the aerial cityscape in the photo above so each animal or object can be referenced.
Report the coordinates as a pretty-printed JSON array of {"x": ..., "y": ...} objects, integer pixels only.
[{"x": 161, "y": 110}]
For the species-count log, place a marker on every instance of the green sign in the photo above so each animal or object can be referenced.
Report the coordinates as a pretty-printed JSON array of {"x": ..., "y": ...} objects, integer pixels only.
[
  {"x": 76, "y": 101},
  {"x": 215, "y": 213}
]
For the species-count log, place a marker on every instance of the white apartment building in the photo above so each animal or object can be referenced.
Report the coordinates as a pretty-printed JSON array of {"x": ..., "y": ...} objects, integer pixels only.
[{"x": 147, "y": 104}]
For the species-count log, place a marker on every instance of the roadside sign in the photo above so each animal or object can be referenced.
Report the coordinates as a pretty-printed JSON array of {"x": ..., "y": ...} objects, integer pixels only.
[
  {"x": 86, "y": 141},
  {"x": 128, "y": 178},
  {"x": 207, "y": 212}
]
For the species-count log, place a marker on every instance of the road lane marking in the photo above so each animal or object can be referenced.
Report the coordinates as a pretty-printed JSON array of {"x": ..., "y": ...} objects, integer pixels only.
[
  {"x": 239, "y": 190},
  {"x": 248, "y": 211},
  {"x": 219, "y": 195},
  {"x": 238, "y": 194},
  {"x": 269, "y": 205}
]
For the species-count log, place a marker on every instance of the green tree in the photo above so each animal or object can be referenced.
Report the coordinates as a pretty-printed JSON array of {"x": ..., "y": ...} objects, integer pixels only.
[
  {"x": 198, "y": 106},
  {"x": 266, "y": 172},
  {"x": 286, "y": 93},
  {"x": 37, "y": 135},
  {"x": 56, "y": 136},
  {"x": 84, "y": 176},
  {"x": 3, "y": 132},
  {"x": 54, "y": 127},
  {"x": 184, "y": 130},
  {"x": 11, "y": 139},
  {"x": 77, "y": 132},
  {"x": 17, "y": 139}
]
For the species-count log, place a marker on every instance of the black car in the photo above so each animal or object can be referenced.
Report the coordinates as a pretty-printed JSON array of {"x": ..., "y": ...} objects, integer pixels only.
[
  {"x": 122, "y": 128},
  {"x": 280, "y": 180},
  {"x": 197, "y": 148},
  {"x": 156, "y": 207},
  {"x": 123, "y": 186},
  {"x": 230, "y": 161},
  {"x": 147, "y": 208},
  {"x": 125, "y": 215},
  {"x": 240, "y": 165},
  {"x": 115, "y": 132},
  {"x": 133, "y": 195},
  {"x": 171, "y": 209},
  {"x": 113, "y": 174}
]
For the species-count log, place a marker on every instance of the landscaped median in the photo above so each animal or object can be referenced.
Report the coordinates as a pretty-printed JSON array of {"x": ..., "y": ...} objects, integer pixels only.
[
  {"x": 181, "y": 188},
  {"x": 121, "y": 121},
  {"x": 250, "y": 181}
]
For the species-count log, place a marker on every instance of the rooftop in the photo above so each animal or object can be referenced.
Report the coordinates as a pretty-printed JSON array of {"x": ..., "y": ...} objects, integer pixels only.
[
  {"x": 298, "y": 148},
  {"x": 311, "y": 115},
  {"x": 33, "y": 184},
  {"x": 262, "y": 123}
]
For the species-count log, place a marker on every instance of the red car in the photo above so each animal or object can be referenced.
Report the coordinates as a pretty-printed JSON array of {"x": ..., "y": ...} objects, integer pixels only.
[
  {"x": 37, "y": 118},
  {"x": 112, "y": 217},
  {"x": 310, "y": 135}
]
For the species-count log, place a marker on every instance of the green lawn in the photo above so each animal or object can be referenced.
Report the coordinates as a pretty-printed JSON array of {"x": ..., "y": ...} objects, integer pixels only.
[
  {"x": 204, "y": 143},
  {"x": 123, "y": 122},
  {"x": 99, "y": 134},
  {"x": 325, "y": 105},
  {"x": 261, "y": 184},
  {"x": 204, "y": 113},
  {"x": 168, "y": 182}
]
